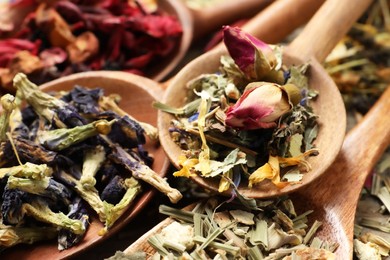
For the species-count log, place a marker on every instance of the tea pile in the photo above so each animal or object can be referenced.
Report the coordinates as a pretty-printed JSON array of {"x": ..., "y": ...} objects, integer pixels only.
[
  {"x": 251, "y": 121},
  {"x": 214, "y": 230},
  {"x": 58, "y": 38},
  {"x": 63, "y": 155}
]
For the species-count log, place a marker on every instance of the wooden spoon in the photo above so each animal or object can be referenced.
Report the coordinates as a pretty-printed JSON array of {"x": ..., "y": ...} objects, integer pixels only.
[
  {"x": 322, "y": 33},
  {"x": 137, "y": 94},
  {"x": 334, "y": 195},
  {"x": 212, "y": 17}
]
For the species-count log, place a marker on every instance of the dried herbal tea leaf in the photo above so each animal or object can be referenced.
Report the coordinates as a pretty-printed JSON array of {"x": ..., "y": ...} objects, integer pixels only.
[
  {"x": 251, "y": 114},
  {"x": 225, "y": 230}
]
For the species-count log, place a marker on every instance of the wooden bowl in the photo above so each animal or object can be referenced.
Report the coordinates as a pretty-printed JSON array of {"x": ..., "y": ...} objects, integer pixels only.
[
  {"x": 165, "y": 66},
  {"x": 329, "y": 106},
  {"x": 156, "y": 71},
  {"x": 137, "y": 94}
]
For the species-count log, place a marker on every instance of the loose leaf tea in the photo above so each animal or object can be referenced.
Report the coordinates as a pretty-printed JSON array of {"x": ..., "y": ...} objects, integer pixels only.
[
  {"x": 252, "y": 120},
  {"x": 64, "y": 155},
  {"x": 218, "y": 230},
  {"x": 65, "y": 37}
]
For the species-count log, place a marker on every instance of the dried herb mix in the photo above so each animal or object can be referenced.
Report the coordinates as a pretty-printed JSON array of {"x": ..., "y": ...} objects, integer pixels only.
[
  {"x": 215, "y": 230},
  {"x": 63, "y": 154},
  {"x": 252, "y": 119},
  {"x": 65, "y": 37}
]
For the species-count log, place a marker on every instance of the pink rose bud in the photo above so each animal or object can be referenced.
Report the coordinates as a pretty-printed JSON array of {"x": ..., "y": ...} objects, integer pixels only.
[
  {"x": 254, "y": 57},
  {"x": 261, "y": 105}
]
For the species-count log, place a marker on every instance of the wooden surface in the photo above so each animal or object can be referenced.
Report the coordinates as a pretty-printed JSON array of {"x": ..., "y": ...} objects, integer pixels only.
[{"x": 137, "y": 95}]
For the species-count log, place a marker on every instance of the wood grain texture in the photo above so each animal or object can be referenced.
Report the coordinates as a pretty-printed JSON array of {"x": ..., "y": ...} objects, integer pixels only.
[
  {"x": 142, "y": 245},
  {"x": 212, "y": 18},
  {"x": 334, "y": 196},
  {"x": 281, "y": 18},
  {"x": 326, "y": 28}
]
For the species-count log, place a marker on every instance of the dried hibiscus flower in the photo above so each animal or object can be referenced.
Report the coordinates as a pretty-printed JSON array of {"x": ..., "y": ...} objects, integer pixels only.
[{"x": 73, "y": 36}]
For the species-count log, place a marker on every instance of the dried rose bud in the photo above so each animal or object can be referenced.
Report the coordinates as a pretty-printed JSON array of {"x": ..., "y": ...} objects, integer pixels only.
[
  {"x": 261, "y": 104},
  {"x": 254, "y": 57}
]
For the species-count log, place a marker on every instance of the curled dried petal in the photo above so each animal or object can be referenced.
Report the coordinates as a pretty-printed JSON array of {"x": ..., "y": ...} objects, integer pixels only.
[{"x": 83, "y": 48}]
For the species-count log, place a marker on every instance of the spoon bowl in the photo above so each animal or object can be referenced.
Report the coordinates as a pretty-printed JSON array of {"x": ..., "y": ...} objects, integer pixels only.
[
  {"x": 329, "y": 139},
  {"x": 137, "y": 93},
  {"x": 312, "y": 45}
]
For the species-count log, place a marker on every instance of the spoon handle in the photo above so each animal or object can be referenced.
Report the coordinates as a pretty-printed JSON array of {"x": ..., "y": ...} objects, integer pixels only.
[
  {"x": 212, "y": 18},
  {"x": 366, "y": 142},
  {"x": 344, "y": 180},
  {"x": 281, "y": 18},
  {"x": 326, "y": 28}
]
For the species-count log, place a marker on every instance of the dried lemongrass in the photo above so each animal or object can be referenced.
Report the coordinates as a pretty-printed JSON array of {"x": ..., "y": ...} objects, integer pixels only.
[
  {"x": 316, "y": 243},
  {"x": 211, "y": 237},
  {"x": 255, "y": 253},
  {"x": 278, "y": 238},
  {"x": 282, "y": 252},
  {"x": 382, "y": 243},
  {"x": 186, "y": 216},
  {"x": 283, "y": 219},
  {"x": 375, "y": 224},
  {"x": 366, "y": 250},
  {"x": 233, "y": 250},
  {"x": 225, "y": 231},
  {"x": 259, "y": 235},
  {"x": 157, "y": 242},
  {"x": 384, "y": 196},
  {"x": 316, "y": 225},
  {"x": 198, "y": 227},
  {"x": 242, "y": 216}
]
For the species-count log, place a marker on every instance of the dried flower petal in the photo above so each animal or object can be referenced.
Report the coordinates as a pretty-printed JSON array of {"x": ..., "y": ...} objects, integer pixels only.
[
  {"x": 58, "y": 31},
  {"x": 83, "y": 48},
  {"x": 186, "y": 167}
]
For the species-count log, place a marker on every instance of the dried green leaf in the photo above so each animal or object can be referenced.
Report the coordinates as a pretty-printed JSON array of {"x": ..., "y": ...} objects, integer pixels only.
[
  {"x": 298, "y": 77},
  {"x": 242, "y": 216}
]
